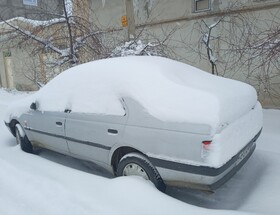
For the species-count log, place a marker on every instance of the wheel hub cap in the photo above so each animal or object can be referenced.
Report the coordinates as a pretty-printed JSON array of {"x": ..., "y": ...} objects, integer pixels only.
[{"x": 135, "y": 169}]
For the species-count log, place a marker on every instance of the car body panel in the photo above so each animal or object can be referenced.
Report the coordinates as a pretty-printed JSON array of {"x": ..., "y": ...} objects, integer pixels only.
[
  {"x": 47, "y": 129},
  {"x": 203, "y": 177},
  {"x": 91, "y": 136},
  {"x": 165, "y": 143},
  {"x": 138, "y": 116}
]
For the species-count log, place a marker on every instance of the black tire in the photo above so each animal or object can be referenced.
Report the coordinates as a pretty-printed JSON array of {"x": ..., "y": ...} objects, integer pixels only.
[
  {"x": 146, "y": 166},
  {"x": 24, "y": 143}
]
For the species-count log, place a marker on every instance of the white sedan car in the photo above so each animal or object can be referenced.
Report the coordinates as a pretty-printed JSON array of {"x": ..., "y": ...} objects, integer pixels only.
[{"x": 153, "y": 117}]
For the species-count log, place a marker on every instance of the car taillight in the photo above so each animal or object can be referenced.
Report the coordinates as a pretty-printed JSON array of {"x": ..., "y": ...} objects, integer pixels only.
[
  {"x": 206, "y": 142},
  {"x": 205, "y": 148}
]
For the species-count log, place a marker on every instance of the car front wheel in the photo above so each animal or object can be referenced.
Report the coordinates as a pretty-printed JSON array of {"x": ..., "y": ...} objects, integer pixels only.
[
  {"x": 22, "y": 140},
  {"x": 138, "y": 165}
]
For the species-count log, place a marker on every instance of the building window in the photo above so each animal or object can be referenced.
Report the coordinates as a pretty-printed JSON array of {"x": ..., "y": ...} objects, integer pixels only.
[
  {"x": 30, "y": 2},
  {"x": 201, "y": 5}
]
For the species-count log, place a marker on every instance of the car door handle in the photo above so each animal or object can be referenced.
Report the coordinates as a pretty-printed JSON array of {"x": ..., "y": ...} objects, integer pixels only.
[
  {"x": 59, "y": 123},
  {"x": 112, "y": 131}
]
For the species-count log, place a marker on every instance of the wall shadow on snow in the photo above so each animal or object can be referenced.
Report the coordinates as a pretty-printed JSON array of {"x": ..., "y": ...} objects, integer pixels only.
[{"x": 85, "y": 166}]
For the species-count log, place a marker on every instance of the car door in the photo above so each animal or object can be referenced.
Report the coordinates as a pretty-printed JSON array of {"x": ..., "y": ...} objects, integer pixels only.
[
  {"x": 91, "y": 136},
  {"x": 47, "y": 128}
]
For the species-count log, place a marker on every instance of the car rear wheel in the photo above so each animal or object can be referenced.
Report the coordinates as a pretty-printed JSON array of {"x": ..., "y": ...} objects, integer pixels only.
[
  {"x": 138, "y": 165},
  {"x": 22, "y": 140}
]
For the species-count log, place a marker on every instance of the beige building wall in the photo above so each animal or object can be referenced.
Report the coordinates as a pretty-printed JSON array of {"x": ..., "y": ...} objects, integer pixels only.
[
  {"x": 155, "y": 12},
  {"x": 21, "y": 68}
]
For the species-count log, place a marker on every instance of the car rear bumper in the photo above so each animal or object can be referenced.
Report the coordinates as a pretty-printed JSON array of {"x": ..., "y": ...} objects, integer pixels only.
[{"x": 203, "y": 177}]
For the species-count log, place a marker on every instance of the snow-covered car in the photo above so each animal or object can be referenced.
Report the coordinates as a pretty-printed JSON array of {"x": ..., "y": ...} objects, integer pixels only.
[{"x": 152, "y": 117}]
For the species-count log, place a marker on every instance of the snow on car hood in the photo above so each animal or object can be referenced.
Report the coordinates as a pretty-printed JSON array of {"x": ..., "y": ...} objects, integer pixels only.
[{"x": 167, "y": 89}]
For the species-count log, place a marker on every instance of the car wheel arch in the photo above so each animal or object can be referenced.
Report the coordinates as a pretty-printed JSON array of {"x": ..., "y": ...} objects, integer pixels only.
[
  {"x": 137, "y": 164},
  {"x": 12, "y": 126},
  {"x": 22, "y": 139},
  {"x": 118, "y": 153}
]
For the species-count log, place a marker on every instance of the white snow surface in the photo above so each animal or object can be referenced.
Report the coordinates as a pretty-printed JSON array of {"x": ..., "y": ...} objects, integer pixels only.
[
  {"x": 167, "y": 89},
  {"x": 69, "y": 7},
  {"x": 50, "y": 183}
]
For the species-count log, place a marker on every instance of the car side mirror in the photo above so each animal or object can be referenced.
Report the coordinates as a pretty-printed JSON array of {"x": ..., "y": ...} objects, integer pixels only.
[{"x": 33, "y": 106}]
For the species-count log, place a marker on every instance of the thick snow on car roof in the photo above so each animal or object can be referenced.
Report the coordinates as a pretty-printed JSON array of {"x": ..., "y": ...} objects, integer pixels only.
[{"x": 167, "y": 89}]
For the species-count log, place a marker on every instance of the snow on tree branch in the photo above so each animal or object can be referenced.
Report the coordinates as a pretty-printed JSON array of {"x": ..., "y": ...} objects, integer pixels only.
[
  {"x": 34, "y": 23},
  {"x": 136, "y": 48},
  {"x": 206, "y": 39},
  {"x": 69, "y": 7},
  {"x": 42, "y": 41}
]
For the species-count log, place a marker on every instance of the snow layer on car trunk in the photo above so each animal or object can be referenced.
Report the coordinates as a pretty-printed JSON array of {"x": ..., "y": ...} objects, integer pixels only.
[
  {"x": 167, "y": 89},
  {"x": 234, "y": 137}
]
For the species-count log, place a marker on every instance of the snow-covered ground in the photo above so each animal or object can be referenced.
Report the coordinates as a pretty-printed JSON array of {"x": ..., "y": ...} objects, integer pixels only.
[{"x": 50, "y": 183}]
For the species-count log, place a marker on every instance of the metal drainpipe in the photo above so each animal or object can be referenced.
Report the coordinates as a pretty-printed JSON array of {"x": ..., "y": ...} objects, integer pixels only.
[{"x": 130, "y": 19}]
